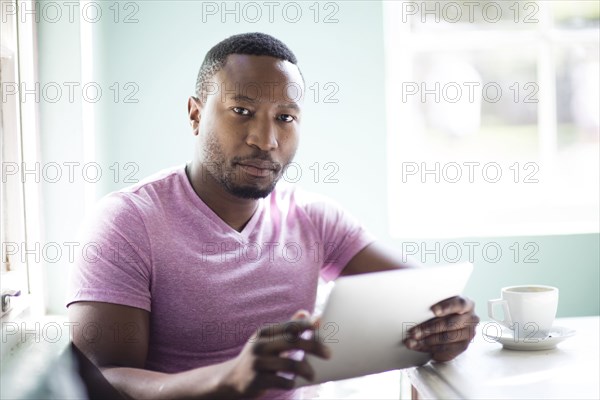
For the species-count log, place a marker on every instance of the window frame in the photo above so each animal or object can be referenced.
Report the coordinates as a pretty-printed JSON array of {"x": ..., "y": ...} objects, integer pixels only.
[{"x": 20, "y": 124}]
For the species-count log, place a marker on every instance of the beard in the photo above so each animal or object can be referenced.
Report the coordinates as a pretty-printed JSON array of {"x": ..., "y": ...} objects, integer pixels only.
[{"x": 231, "y": 177}]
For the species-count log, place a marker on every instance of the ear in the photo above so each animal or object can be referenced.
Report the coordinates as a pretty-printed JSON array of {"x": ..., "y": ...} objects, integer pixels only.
[{"x": 194, "y": 111}]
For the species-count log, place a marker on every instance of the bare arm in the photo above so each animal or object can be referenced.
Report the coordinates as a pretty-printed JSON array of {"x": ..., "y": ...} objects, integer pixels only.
[
  {"x": 376, "y": 257},
  {"x": 115, "y": 338}
]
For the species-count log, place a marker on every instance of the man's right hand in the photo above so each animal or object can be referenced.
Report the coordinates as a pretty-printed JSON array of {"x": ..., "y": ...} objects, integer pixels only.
[{"x": 257, "y": 366}]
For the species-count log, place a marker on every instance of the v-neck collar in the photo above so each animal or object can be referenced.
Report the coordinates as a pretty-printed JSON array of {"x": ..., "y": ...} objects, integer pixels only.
[{"x": 244, "y": 234}]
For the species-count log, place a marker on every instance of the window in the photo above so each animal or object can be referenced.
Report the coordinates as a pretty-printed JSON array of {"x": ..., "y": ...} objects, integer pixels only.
[
  {"x": 18, "y": 128},
  {"x": 493, "y": 118}
]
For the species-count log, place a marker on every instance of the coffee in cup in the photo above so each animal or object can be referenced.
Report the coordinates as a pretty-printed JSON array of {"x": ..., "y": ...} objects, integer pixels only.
[{"x": 529, "y": 310}]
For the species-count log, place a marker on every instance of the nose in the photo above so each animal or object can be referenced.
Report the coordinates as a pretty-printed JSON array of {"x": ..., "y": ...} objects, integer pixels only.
[{"x": 263, "y": 135}]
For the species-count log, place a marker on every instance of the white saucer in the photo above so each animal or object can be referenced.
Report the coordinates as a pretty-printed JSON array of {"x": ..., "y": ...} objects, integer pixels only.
[{"x": 506, "y": 338}]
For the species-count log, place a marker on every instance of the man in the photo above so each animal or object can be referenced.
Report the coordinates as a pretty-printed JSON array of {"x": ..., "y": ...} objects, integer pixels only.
[{"x": 196, "y": 270}]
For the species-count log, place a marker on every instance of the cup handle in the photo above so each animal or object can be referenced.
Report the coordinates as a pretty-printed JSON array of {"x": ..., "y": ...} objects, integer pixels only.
[{"x": 507, "y": 321}]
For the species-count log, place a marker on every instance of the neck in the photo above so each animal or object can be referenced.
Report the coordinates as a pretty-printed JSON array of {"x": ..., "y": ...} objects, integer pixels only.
[{"x": 234, "y": 211}]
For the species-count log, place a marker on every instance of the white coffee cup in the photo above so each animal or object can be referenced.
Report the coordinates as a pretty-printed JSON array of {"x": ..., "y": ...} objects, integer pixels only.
[{"x": 529, "y": 310}]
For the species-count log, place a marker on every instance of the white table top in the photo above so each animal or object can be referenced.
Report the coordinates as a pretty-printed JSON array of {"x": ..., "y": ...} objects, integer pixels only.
[{"x": 487, "y": 371}]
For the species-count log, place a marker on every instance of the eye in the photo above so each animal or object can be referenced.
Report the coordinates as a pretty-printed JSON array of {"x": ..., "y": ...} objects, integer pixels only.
[
  {"x": 287, "y": 117},
  {"x": 241, "y": 111}
]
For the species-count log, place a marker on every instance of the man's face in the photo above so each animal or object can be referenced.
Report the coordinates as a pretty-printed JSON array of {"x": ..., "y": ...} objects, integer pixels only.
[{"x": 249, "y": 123}]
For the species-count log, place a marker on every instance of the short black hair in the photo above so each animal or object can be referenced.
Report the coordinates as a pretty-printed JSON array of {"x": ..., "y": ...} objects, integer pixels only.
[{"x": 253, "y": 43}]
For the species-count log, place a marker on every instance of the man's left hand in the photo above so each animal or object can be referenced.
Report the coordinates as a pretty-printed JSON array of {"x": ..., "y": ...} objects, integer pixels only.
[{"x": 449, "y": 333}]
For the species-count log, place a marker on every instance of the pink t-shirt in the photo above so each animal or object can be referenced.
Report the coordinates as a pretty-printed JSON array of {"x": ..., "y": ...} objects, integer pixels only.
[{"x": 157, "y": 246}]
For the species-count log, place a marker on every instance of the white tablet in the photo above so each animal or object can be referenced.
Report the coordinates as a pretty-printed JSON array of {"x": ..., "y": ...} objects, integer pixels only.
[{"x": 367, "y": 317}]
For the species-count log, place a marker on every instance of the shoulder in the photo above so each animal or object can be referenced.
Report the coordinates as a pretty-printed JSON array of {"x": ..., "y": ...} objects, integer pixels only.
[
  {"x": 131, "y": 205},
  {"x": 143, "y": 194},
  {"x": 155, "y": 186}
]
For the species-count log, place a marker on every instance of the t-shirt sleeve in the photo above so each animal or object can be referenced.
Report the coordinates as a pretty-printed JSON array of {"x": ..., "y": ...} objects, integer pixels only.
[
  {"x": 342, "y": 236},
  {"x": 114, "y": 262}
]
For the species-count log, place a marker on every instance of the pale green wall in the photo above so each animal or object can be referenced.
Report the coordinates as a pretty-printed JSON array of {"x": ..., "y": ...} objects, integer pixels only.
[{"x": 161, "y": 54}]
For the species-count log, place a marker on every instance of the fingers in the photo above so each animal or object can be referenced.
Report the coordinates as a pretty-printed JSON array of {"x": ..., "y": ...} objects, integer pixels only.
[
  {"x": 453, "y": 305},
  {"x": 280, "y": 344},
  {"x": 277, "y": 338},
  {"x": 289, "y": 329},
  {"x": 447, "y": 335},
  {"x": 443, "y": 346},
  {"x": 278, "y": 364},
  {"x": 444, "y": 324},
  {"x": 268, "y": 349}
]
